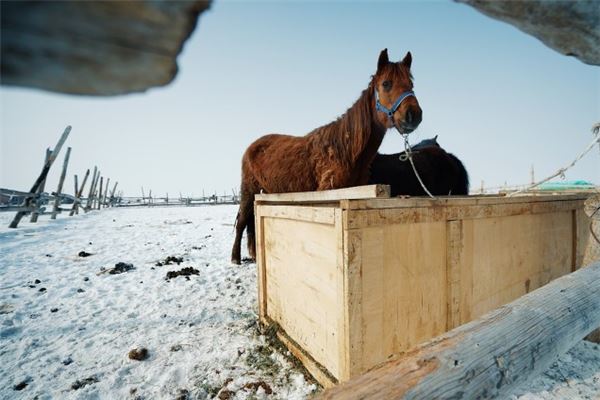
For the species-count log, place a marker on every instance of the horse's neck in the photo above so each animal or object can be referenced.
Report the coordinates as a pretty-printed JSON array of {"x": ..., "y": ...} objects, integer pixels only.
[{"x": 357, "y": 131}]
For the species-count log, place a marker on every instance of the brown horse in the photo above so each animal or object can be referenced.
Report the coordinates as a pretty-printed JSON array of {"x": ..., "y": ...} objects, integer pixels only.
[{"x": 333, "y": 156}]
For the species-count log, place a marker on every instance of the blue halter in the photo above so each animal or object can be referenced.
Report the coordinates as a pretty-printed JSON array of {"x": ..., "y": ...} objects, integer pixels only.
[{"x": 390, "y": 111}]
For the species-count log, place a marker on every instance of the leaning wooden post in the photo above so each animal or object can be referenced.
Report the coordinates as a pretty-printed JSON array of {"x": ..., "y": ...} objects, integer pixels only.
[
  {"x": 35, "y": 214},
  {"x": 489, "y": 357},
  {"x": 91, "y": 191},
  {"x": 76, "y": 203},
  {"x": 76, "y": 186},
  {"x": 100, "y": 193},
  {"x": 42, "y": 177},
  {"x": 94, "y": 191},
  {"x": 112, "y": 194},
  {"x": 105, "y": 192},
  {"x": 60, "y": 183}
]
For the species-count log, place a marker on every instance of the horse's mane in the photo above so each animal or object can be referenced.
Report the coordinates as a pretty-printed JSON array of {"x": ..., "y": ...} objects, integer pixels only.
[{"x": 344, "y": 138}]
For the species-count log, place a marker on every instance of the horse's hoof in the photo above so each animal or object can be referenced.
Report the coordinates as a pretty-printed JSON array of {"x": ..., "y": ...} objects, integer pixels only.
[{"x": 236, "y": 261}]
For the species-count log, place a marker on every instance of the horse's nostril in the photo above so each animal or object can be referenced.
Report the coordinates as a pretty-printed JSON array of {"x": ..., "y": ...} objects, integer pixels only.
[{"x": 409, "y": 117}]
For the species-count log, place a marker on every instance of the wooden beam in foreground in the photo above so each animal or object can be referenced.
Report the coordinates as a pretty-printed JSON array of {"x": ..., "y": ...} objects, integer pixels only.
[
  {"x": 490, "y": 357},
  {"x": 351, "y": 193}
]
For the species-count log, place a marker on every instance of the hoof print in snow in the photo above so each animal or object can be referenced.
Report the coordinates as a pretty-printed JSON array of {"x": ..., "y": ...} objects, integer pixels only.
[
  {"x": 86, "y": 279},
  {"x": 84, "y": 382},
  {"x": 21, "y": 385},
  {"x": 42, "y": 289},
  {"x": 225, "y": 394},
  {"x": 48, "y": 255},
  {"x": 254, "y": 386},
  {"x": 119, "y": 268},
  {"x": 170, "y": 260},
  {"x": 37, "y": 281},
  {"x": 84, "y": 254},
  {"x": 138, "y": 354},
  {"x": 248, "y": 260},
  {"x": 67, "y": 361},
  {"x": 53, "y": 310},
  {"x": 176, "y": 347},
  {"x": 187, "y": 271},
  {"x": 80, "y": 290}
]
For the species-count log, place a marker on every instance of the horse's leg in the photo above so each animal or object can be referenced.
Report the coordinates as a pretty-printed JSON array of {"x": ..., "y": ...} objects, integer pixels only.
[
  {"x": 245, "y": 215},
  {"x": 236, "y": 257},
  {"x": 250, "y": 236}
]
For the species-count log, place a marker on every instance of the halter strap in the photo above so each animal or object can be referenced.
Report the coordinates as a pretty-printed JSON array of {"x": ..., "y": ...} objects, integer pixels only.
[{"x": 390, "y": 111}]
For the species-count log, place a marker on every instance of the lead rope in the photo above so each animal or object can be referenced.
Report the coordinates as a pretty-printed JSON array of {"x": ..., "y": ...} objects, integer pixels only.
[
  {"x": 408, "y": 156},
  {"x": 561, "y": 172}
]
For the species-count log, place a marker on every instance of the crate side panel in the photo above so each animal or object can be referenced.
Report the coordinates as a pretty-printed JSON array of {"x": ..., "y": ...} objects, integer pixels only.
[
  {"x": 404, "y": 288},
  {"x": 507, "y": 257},
  {"x": 302, "y": 285}
]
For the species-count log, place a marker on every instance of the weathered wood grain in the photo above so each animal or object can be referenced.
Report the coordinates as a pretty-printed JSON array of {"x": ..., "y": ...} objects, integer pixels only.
[{"x": 490, "y": 357}]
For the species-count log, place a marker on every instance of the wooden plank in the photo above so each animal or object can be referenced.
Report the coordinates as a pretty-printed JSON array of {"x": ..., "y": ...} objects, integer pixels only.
[
  {"x": 60, "y": 184},
  {"x": 301, "y": 285},
  {"x": 319, "y": 215},
  {"x": 316, "y": 370},
  {"x": 357, "y": 192},
  {"x": 509, "y": 257},
  {"x": 343, "y": 316},
  {"x": 42, "y": 176},
  {"x": 446, "y": 201},
  {"x": 386, "y": 216},
  {"x": 261, "y": 266},
  {"x": 454, "y": 259},
  {"x": 404, "y": 282},
  {"x": 471, "y": 362}
]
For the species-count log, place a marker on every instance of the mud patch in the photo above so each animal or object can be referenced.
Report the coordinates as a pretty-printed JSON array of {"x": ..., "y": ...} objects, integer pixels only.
[
  {"x": 169, "y": 261},
  {"x": 78, "y": 384},
  {"x": 187, "y": 271},
  {"x": 119, "y": 268}
]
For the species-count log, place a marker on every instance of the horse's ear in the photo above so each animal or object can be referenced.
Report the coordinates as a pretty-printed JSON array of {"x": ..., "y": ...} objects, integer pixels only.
[
  {"x": 407, "y": 60},
  {"x": 383, "y": 59}
]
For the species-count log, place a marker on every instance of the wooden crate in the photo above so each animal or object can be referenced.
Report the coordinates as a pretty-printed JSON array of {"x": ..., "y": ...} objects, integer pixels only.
[{"x": 352, "y": 280}]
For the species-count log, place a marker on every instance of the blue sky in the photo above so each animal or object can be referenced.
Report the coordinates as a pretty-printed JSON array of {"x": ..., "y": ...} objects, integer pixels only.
[{"x": 498, "y": 99}]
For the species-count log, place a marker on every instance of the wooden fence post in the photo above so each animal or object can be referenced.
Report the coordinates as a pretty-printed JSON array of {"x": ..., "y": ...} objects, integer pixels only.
[
  {"x": 42, "y": 177},
  {"x": 100, "y": 193},
  {"x": 38, "y": 200},
  {"x": 105, "y": 193},
  {"x": 91, "y": 191},
  {"x": 76, "y": 203},
  {"x": 112, "y": 194},
  {"x": 60, "y": 183}
]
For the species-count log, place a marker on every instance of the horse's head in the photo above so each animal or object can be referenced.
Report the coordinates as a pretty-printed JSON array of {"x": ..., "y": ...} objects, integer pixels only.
[{"x": 396, "y": 103}]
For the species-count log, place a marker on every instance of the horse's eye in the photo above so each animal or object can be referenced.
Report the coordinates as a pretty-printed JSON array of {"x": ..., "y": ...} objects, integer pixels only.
[{"x": 387, "y": 85}]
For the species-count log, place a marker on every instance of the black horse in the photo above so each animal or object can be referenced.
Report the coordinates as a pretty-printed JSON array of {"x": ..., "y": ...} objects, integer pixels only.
[{"x": 442, "y": 172}]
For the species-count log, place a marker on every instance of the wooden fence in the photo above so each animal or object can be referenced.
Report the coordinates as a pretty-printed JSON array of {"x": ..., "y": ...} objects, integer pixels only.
[{"x": 37, "y": 202}]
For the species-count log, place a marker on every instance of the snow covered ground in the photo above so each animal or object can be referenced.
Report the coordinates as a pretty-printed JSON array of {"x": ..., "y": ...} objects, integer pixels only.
[{"x": 67, "y": 324}]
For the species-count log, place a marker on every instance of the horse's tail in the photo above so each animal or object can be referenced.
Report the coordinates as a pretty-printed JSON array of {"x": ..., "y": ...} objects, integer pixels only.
[{"x": 461, "y": 185}]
